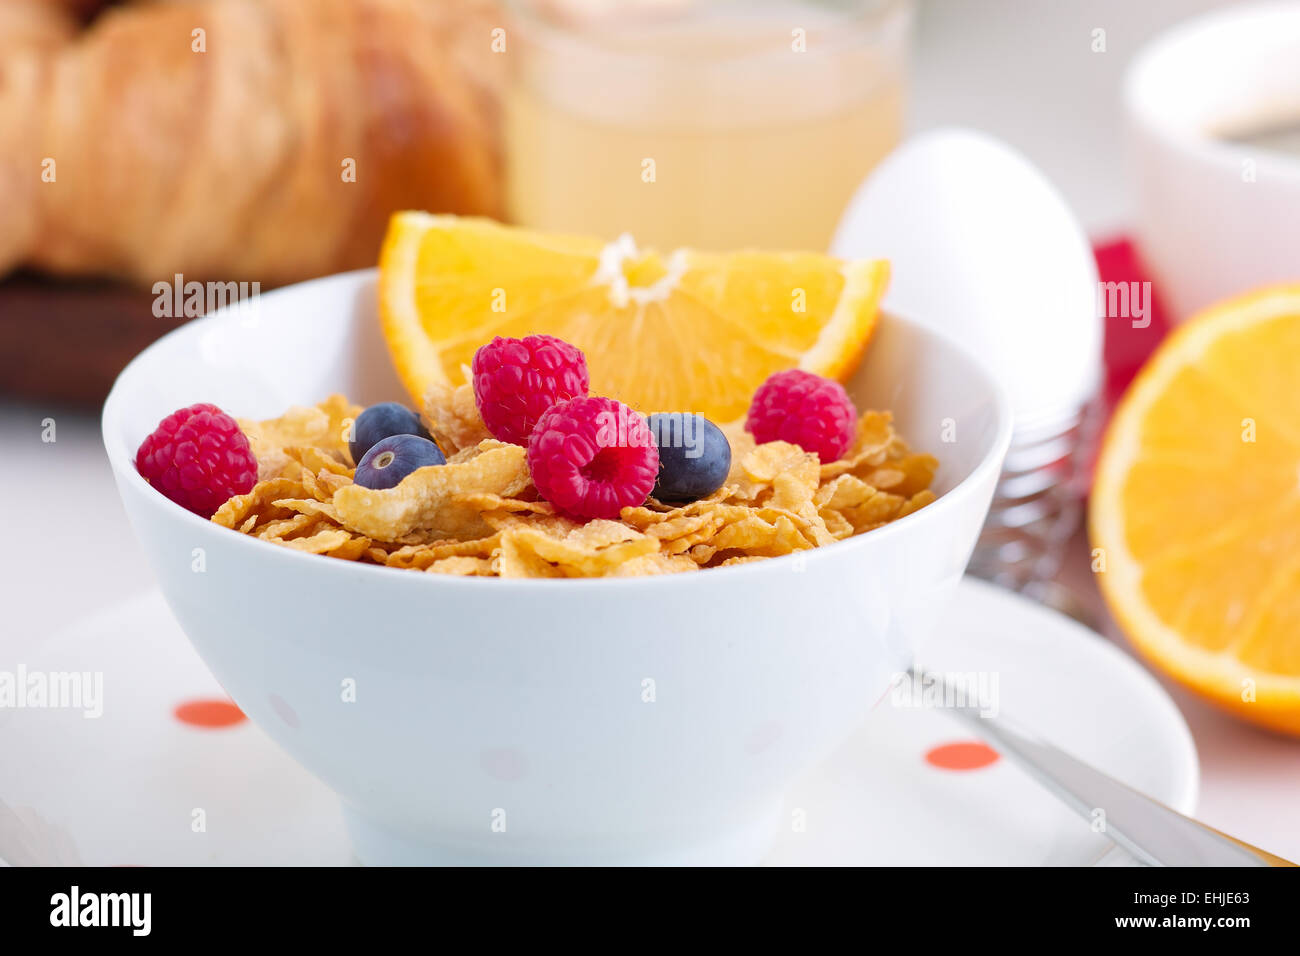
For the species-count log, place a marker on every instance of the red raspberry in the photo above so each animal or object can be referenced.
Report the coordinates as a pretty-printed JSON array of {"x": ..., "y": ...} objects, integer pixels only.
[
  {"x": 593, "y": 457},
  {"x": 804, "y": 409},
  {"x": 516, "y": 380},
  {"x": 198, "y": 458}
]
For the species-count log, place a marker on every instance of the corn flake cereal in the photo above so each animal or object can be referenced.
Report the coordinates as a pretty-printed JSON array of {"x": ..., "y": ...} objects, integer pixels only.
[
  {"x": 322, "y": 428},
  {"x": 424, "y": 502},
  {"x": 479, "y": 515},
  {"x": 452, "y": 417}
]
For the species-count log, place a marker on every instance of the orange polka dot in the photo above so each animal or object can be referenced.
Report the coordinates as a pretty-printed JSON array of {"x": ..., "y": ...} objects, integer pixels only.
[
  {"x": 208, "y": 713},
  {"x": 965, "y": 755}
]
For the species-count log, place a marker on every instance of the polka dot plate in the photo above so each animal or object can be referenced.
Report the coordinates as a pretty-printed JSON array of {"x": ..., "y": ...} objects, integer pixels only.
[{"x": 172, "y": 773}]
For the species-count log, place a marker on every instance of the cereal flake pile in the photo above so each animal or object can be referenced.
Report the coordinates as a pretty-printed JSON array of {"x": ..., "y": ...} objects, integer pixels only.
[{"x": 480, "y": 514}]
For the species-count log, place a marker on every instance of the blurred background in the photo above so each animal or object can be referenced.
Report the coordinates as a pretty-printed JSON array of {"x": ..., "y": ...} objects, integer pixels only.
[
  {"x": 1018, "y": 69},
  {"x": 158, "y": 178}
]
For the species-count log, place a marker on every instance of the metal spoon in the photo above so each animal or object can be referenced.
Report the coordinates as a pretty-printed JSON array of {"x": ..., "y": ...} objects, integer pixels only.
[{"x": 1152, "y": 832}]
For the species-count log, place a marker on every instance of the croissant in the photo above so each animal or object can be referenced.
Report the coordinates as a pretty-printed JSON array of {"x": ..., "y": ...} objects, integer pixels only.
[
  {"x": 262, "y": 140},
  {"x": 36, "y": 25}
]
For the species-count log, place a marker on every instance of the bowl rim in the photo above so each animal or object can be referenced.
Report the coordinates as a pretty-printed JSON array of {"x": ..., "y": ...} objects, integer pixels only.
[
  {"x": 1166, "y": 53},
  {"x": 121, "y": 460}
]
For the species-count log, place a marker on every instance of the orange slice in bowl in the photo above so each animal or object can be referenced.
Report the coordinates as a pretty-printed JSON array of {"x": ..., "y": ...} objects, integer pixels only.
[
  {"x": 1196, "y": 508},
  {"x": 687, "y": 331}
]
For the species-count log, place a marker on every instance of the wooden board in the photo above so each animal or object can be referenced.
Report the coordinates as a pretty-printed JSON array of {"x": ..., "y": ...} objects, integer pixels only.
[{"x": 65, "y": 341}]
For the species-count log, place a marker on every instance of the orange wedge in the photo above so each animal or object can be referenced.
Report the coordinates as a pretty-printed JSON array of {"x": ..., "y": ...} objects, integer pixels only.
[
  {"x": 1196, "y": 508},
  {"x": 687, "y": 331}
]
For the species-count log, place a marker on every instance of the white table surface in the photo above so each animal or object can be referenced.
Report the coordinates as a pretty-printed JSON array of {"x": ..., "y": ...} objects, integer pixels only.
[{"x": 1021, "y": 69}]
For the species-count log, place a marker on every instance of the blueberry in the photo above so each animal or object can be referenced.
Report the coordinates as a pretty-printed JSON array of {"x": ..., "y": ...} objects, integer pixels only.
[
  {"x": 383, "y": 421},
  {"x": 395, "y": 457},
  {"x": 694, "y": 456}
]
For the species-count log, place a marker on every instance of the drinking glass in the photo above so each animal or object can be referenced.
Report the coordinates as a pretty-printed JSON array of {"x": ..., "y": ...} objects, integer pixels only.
[{"x": 716, "y": 124}]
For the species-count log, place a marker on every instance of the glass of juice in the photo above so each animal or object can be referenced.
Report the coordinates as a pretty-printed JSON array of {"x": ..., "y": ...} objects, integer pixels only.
[{"x": 717, "y": 124}]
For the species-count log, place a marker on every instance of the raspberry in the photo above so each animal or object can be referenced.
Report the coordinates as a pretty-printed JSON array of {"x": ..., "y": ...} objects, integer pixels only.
[
  {"x": 516, "y": 380},
  {"x": 807, "y": 410},
  {"x": 198, "y": 458},
  {"x": 593, "y": 457}
]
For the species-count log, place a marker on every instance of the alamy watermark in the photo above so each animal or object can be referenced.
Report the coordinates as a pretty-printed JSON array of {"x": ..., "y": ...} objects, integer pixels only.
[
  {"x": 947, "y": 689},
  {"x": 1125, "y": 300},
  {"x": 179, "y": 299},
  {"x": 70, "y": 690},
  {"x": 74, "y": 908},
  {"x": 679, "y": 430},
  {"x": 622, "y": 428}
]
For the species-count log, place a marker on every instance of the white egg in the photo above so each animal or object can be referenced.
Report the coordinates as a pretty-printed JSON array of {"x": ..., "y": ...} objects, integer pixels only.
[{"x": 984, "y": 250}]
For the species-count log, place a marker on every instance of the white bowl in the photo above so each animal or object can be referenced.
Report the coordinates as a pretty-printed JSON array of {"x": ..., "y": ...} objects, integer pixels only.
[
  {"x": 1216, "y": 218},
  {"x": 642, "y": 720}
]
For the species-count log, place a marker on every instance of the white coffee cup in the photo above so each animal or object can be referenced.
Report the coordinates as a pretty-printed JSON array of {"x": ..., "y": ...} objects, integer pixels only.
[{"x": 1217, "y": 213}]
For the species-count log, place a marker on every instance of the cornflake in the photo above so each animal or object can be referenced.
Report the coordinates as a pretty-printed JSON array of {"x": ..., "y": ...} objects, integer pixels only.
[{"x": 480, "y": 515}]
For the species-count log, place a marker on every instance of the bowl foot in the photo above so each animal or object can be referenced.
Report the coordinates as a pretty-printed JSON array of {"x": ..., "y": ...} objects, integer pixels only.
[{"x": 737, "y": 844}]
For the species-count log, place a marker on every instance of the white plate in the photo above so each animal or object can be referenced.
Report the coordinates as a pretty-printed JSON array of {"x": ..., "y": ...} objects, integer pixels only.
[{"x": 138, "y": 786}]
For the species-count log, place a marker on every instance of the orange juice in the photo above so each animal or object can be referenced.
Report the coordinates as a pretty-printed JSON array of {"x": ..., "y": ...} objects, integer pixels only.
[{"x": 720, "y": 126}]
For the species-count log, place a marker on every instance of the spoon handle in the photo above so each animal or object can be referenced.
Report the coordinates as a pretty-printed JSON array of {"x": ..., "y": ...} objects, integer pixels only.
[{"x": 1152, "y": 832}]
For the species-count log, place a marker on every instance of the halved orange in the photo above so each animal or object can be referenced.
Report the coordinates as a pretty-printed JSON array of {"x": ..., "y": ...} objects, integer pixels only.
[
  {"x": 688, "y": 331},
  {"x": 1196, "y": 507}
]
